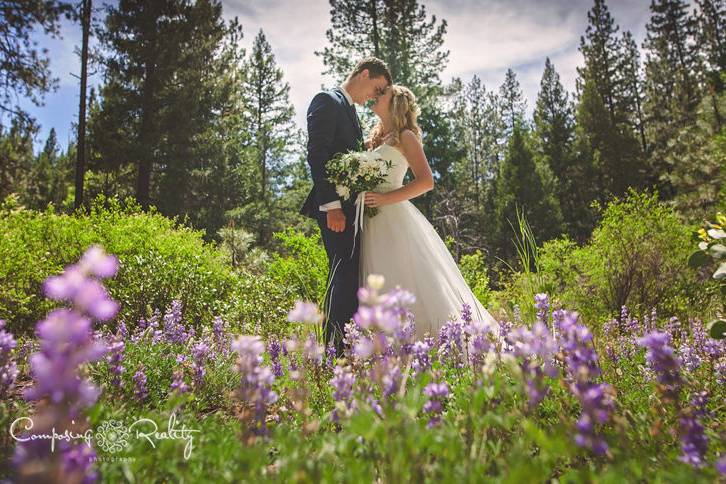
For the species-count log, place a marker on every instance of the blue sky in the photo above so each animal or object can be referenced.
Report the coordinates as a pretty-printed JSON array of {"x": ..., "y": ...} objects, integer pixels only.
[{"x": 484, "y": 37}]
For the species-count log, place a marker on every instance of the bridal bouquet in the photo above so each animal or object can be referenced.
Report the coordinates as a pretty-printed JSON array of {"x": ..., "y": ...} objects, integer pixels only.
[{"x": 357, "y": 172}]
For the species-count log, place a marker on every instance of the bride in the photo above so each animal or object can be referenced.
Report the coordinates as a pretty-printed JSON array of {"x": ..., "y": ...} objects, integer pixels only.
[{"x": 399, "y": 243}]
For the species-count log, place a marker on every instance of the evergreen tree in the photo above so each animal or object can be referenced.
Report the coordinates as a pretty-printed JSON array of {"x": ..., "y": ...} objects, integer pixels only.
[
  {"x": 39, "y": 190},
  {"x": 16, "y": 155},
  {"x": 480, "y": 129},
  {"x": 520, "y": 186},
  {"x": 396, "y": 31},
  {"x": 25, "y": 68},
  {"x": 632, "y": 95},
  {"x": 608, "y": 131},
  {"x": 143, "y": 42},
  {"x": 601, "y": 50},
  {"x": 672, "y": 88},
  {"x": 271, "y": 128},
  {"x": 697, "y": 161},
  {"x": 553, "y": 122},
  {"x": 513, "y": 104},
  {"x": 711, "y": 20}
]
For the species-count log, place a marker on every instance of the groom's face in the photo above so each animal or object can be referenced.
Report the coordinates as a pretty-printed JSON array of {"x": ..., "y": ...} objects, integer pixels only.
[{"x": 372, "y": 87}]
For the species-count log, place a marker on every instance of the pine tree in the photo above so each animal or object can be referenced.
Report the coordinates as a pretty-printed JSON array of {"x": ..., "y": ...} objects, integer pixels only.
[
  {"x": 553, "y": 122},
  {"x": 601, "y": 49},
  {"x": 399, "y": 32},
  {"x": 672, "y": 88},
  {"x": 39, "y": 190},
  {"x": 632, "y": 96},
  {"x": 143, "y": 41},
  {"x": 711, "y": 20},
  {"x": 16, "y": 155},
  {"x": 513, "y": 104},
  {"x": 271, "y": 127},
  {"x": 519, "y": 186},
  {"x": 609, "y": 131},
  {"x": 480, "y": 129},
  {"x": 25, "y": 68}
]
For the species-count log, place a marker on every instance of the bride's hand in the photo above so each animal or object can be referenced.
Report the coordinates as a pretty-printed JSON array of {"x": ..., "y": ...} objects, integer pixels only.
[{"x": 374, "y": 199}]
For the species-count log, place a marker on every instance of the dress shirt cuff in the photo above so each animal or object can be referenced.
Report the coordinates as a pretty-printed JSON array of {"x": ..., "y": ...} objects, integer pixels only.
[{"x": 330, "y": 206}]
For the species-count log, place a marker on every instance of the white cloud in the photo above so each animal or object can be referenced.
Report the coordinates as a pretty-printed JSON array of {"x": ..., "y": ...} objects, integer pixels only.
[{"x": 485, "y": 37}]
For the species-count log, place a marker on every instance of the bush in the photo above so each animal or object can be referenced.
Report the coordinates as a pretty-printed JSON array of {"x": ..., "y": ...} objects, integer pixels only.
[
  {"x": 302, "y": 265},
  {"x": 637, "y": 256},
  {"x": 473, "y": 268},
  {"x": 160, "y": 259}
]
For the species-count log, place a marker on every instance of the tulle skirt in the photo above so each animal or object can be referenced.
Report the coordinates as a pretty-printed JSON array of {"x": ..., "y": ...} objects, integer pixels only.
[{"x": 400, "y": 244}]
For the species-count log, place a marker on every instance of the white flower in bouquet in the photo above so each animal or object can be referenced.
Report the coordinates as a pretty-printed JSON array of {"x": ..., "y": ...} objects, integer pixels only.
[{"x": 343, "y": 191}]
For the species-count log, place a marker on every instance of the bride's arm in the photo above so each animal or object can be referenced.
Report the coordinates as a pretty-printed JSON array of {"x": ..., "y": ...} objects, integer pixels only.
[{"x": 423, "y": 178}]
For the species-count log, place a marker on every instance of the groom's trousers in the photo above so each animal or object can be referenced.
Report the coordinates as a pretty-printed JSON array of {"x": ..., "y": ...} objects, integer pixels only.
[{"x": 341, "y": 296}]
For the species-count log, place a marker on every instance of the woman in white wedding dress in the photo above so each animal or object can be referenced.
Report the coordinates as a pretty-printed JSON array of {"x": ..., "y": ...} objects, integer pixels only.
[{"x": 399, "y": 243}]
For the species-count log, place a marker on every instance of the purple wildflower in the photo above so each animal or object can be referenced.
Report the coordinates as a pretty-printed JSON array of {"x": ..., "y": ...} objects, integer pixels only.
[
  {"x": 312, "y": 351},
  {"x": 694, "y": 442},
  {"x": 542, "y": 304},
  {"x": 273, "y": 349},
  {"x": 342, "y": 383},
  {"x": 583, "y": 368},
  {"x": 305, "y": 312},
  {"x": 434, "y": 407},
  {"x": 200, "y": 351},
  {"x": 141, "y": 393},
  {"x": 178, "y": 385},
  {"x": 8, "y": 366},
  {"x": 721, "y": 464},
  {"x": 221, "y": 338},
  {"x": 66, "y": 342},
  {"x": 115, "y": 360},
  {"x": 466, "y": 313},
  {"x": 535, "y": 349},
  {"x": 174, "y": 331},
  {"x": 422, "y": 356},
  {"x": 256, "y": 380},
  {"x": 662, "y": 360},
  {"x": 451, "y": 343}
]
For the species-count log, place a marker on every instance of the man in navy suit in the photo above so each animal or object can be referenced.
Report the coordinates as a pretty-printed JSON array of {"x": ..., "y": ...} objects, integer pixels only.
[{"x": 333, "y": 128}]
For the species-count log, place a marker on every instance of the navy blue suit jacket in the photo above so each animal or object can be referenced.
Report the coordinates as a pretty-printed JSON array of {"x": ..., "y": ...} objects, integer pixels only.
[{"x": 332, "y": 128}]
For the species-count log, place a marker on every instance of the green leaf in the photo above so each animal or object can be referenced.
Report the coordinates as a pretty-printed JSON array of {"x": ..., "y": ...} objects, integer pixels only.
[
  {"x": 697, "y": 259},
  {"x": 717, "y": 329}
]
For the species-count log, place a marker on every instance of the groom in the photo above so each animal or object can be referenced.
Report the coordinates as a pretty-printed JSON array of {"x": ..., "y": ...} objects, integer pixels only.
[{"x": 333, "y": 128}]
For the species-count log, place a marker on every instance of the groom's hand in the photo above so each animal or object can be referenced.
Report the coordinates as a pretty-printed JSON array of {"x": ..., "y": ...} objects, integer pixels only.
[{"x": 336, "y": 220}]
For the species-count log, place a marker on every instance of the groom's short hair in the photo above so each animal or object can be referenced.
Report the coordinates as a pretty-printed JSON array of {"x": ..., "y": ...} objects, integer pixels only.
[{"x": 376, "y": 68}]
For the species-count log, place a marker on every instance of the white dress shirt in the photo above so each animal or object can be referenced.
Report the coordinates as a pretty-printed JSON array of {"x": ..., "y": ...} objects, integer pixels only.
[{"x": 336, "y": 203}]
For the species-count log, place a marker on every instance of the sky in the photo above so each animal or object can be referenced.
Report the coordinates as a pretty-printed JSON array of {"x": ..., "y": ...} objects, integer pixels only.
[{"x": 484, "y": 37}]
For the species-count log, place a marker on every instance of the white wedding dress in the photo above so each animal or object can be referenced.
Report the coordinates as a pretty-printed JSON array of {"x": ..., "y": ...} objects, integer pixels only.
[{"x": 400, "y": 244}]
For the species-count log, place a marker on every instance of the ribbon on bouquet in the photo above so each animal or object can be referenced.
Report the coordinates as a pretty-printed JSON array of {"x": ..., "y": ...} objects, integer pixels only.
[{"x": 359, "y": 211}]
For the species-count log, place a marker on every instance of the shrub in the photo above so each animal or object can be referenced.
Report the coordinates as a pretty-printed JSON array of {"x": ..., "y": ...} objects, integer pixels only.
[
  {"x": 637, "y": 256},
  {"x": 473, "y": 268},
  {"x": 302, "y": 265},
  {"x": 160, "y": 261}
]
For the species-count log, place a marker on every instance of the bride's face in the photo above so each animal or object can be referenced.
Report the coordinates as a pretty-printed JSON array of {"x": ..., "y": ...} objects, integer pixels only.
[{"x": 382, "y": 104}]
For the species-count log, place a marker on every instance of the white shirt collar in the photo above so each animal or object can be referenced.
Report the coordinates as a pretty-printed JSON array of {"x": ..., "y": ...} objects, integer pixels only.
[{"x": 347, "y": 96}]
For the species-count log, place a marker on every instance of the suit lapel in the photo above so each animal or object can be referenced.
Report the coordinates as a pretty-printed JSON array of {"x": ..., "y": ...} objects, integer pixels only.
[{"x": 349, "y": 109}]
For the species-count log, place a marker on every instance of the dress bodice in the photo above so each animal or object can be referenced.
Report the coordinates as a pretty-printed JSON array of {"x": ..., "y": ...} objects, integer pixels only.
[{"x": 399, "y": 167}]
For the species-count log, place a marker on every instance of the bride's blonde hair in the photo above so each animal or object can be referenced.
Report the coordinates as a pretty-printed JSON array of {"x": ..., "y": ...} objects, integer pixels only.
[{"x": 404, "y": 112}]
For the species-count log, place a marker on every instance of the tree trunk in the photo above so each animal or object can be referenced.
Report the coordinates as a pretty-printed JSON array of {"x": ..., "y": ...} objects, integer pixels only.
[{"x": 86, "y": 6}]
